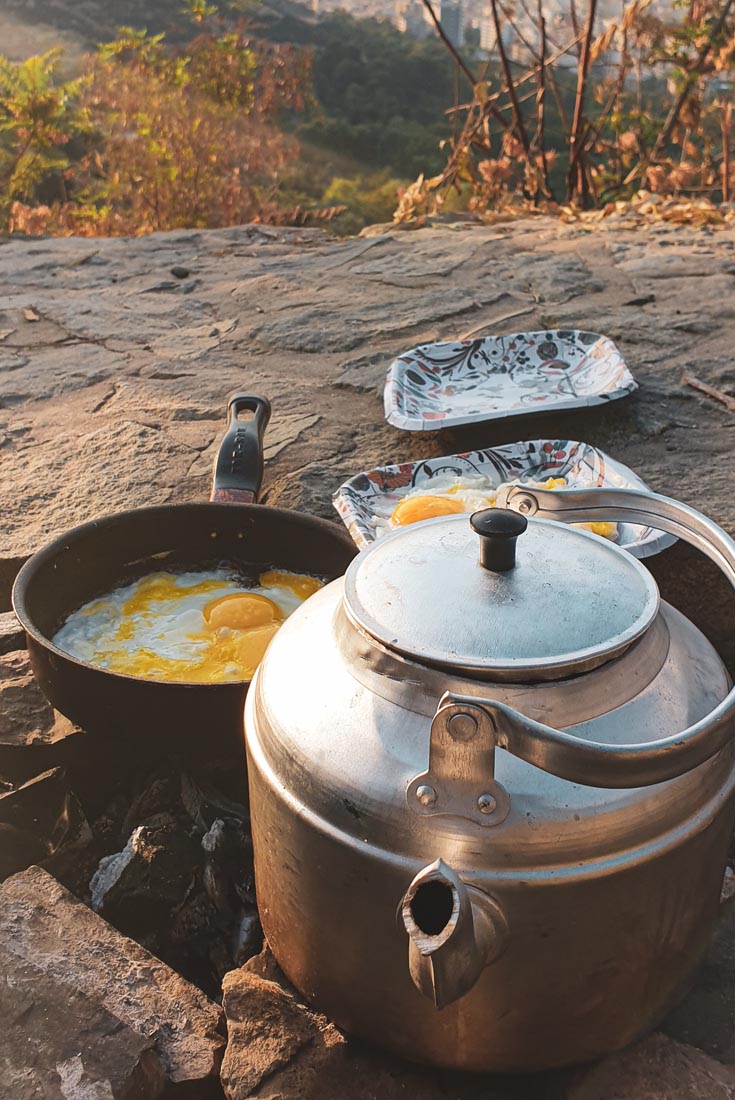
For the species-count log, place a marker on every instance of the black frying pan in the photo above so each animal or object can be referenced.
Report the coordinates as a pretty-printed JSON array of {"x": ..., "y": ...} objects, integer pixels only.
[{"x": 92, "y": 560}]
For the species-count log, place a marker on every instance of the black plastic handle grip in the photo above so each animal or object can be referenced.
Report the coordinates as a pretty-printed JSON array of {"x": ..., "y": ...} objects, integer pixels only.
[{"x": 238, "y": 469}]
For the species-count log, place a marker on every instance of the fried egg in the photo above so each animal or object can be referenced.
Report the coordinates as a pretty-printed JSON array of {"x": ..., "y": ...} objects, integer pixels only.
[
  {"x": 194, "y": 627},
  {"x": 445, "y": 496}
]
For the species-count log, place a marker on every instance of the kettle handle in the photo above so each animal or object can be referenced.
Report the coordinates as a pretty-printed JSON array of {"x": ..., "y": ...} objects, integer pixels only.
[{"x": 466, "y": 730}]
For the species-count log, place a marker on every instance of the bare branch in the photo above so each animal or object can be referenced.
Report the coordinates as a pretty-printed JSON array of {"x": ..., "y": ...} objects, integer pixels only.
[
  {"x": 540, "y": 138},
  {"x": 519, "y": 126},
  {"x": 577, "y": 179},
  {"x": 460, "y": 61}
]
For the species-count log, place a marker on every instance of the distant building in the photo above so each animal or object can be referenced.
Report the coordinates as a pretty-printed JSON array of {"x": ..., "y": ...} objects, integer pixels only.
[
  {"x": 487, "y": 30},
  {"x": 451, "y": 16},
  {"x": 411, "y": 18}
]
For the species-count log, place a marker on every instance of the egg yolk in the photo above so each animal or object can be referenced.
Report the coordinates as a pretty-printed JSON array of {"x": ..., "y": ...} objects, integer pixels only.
[
  {"x": 414, "y": 509},
  {"x": 241, "y": 612},
  {"x": 607, "y": 530}
]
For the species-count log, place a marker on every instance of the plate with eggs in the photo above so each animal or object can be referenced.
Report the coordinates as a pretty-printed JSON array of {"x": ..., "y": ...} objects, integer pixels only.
[
  {"x": 388, "y": 497},
  {"x": 448, "y": 383}
]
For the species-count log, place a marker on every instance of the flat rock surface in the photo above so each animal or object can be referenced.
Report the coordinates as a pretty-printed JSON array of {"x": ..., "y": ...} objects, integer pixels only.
[
  {"x": 43, "y": 924},
  {"x": 114, "y": 377},
  {"x": 115, "y": 397}
]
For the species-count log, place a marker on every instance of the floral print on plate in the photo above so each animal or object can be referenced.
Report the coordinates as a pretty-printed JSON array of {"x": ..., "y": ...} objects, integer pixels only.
[
  {"x": 366, "y": 501},
  {"x": 464, "y": 382}
]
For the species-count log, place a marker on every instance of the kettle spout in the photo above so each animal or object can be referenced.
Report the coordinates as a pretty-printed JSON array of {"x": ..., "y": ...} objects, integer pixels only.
[{"x": 454, "y": 932}]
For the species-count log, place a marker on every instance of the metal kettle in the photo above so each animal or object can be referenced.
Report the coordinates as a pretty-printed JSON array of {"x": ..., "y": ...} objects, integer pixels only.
[{"x": 492, "y": 785}]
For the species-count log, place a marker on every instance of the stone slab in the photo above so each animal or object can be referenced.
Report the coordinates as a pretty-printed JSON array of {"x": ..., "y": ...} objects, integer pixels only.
[
  {"x": 43, "y": 924},
  {"x": 59, "y": 1044}
]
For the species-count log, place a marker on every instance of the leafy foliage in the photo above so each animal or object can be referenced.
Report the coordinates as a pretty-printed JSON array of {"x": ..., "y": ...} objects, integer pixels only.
[
  {"x": 41, "y": 123},
  {"x": 175, "y": 139}
]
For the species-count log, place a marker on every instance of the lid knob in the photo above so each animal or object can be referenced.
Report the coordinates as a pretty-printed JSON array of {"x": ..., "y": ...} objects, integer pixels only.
[{"x": 498, "y": 529}]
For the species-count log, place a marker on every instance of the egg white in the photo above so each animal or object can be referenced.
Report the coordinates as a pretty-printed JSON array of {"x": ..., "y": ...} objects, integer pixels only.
[{"x": 165, "y": 628}]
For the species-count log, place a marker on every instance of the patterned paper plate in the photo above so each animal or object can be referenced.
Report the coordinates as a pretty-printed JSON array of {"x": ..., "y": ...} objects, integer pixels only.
[
  {"x": 366, "y": 501},
  {"x": 464, "y": 382}
]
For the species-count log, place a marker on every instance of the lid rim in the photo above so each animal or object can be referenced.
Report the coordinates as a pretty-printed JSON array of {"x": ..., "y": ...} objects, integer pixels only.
[{"x": 560, "y": 668}]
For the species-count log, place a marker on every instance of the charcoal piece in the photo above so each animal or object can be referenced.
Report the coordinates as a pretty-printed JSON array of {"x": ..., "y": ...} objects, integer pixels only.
[
  {"x": 158, "y": 794},
  {"x": 43, "y": 822},
  {"x": 205, "y": 804},
  {"x": 198, "y": 946},
  {"x": 139, "y": 889},
  {"x": 248, "y": 937},
  {"x": 228, "y": 870}
]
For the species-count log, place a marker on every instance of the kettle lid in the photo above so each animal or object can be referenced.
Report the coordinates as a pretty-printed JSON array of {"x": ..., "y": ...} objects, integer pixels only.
[{"x": 501, "y": 596}]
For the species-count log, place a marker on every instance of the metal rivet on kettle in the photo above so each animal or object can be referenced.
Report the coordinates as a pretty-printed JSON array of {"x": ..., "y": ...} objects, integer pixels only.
[
  {"x": 426, "y": 795},
  {"x": 486, "y": 804},
  {"x": 462, "y": 727}
]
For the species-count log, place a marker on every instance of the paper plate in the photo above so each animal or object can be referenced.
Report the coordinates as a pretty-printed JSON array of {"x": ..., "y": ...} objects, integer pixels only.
[
  {"x": 443, "y": 385},
  {"x": 366, "y": 501}
]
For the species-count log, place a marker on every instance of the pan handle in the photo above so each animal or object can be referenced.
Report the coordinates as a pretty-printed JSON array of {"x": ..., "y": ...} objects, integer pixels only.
[{"x": 238, "y": 468}]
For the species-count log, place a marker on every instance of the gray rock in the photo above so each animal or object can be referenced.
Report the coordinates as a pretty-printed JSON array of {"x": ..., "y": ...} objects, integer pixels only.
[
  {"x": 80, "y": 475},
  {"x": 41, "y": 923},
  {"x": 33, "y": 736},
  {"x": 59, "y": 1044},
  {"x": 705, "y": 1017},
  {"x": 12, "y": 635},
  {"x": 266, "y": 1028}
]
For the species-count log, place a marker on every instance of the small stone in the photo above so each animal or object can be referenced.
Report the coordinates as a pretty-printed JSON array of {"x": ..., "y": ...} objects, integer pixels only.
[
  {"x": 12, "y": 635},
  {"x": 49, "y": 826},
  {"x": 641, "y": 300},
  {"x": 59, "y": 1044},
  {"x": 366, "y": 374},
  {"x": 180, "y": 272},
  {"x": 728, "y": 886},
  {"x": 41, "y": 923},
  {"x": 33, "y": 736},
  {"x": 266, "y": 1028}
]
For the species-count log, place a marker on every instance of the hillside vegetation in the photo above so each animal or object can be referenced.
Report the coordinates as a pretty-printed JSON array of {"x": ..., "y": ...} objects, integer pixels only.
[{"x": 261, "y": 111}]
